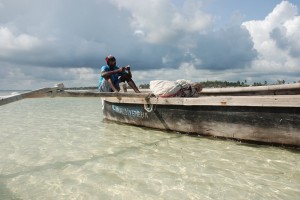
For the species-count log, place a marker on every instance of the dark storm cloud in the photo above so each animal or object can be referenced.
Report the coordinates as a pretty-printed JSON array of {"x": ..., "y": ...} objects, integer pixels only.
[
  {"x": 80, "y": 34},
  {"x": 224, "y": 49},
  {"x": 71, "y": 33}
]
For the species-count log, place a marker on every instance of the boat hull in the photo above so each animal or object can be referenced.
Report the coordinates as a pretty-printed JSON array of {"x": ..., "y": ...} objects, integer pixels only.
[{"x": 274, "y": 125}]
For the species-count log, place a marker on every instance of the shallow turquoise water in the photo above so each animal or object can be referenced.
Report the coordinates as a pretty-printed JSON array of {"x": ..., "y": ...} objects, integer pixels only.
[{"x": 60, "y": 148}]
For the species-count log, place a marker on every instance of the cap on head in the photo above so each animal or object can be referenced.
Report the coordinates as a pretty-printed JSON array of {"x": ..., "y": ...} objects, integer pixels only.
[{"x": 109, "y": 58}]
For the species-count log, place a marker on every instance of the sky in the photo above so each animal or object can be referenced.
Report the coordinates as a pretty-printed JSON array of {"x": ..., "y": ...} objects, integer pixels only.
[{"x": 45, "y": 42}]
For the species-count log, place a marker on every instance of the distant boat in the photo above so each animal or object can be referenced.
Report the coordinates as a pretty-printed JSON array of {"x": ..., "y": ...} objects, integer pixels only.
[{"x": 267, "y": 114}]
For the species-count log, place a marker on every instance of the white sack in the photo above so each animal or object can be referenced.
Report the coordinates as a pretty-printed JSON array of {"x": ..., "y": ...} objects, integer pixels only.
[{"x": 179, "y": 88}]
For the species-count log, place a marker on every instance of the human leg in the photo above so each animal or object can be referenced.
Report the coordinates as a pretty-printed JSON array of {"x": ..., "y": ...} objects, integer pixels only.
[
  {"x": 108, "y": 86},
  {"x": 131, "y": 83}
]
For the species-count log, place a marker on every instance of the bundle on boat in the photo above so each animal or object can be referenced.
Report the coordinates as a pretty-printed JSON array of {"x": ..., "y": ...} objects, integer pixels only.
[{"x": 178, "y": 88}]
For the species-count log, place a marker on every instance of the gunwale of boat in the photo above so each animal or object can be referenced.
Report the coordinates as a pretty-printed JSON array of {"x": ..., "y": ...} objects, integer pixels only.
[{"x": 258, "y": 101}]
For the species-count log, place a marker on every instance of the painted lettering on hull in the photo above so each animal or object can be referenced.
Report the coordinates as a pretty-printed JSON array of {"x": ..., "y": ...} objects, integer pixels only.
[{"x": 130, "y": 112}]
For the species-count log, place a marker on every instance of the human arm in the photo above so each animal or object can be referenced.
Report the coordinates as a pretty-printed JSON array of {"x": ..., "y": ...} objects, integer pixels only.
[
  {"x": 128, "y": 71},
  {"x": 105, "y": 73}
]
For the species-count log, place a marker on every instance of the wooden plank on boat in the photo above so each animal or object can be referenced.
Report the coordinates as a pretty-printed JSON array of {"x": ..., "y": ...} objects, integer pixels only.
[
  {"x": 32, "y": 94},
  {"x": 285, "y": 89},
  {"x": 293, "y": 88},
  {"x": 288, "y": 89},
  {"x": 261, "y": 101},
  {"x": 84, "y": 93}
]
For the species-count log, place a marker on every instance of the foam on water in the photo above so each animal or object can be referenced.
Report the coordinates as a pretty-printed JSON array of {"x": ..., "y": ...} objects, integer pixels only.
[{"x": 60, "y": 148}]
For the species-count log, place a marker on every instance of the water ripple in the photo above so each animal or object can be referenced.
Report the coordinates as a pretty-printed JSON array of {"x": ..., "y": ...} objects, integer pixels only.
[{"x": 62, "y": 149}]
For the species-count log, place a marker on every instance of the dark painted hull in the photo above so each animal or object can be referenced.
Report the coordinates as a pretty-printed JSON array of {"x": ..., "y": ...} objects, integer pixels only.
[{"x": 274, "y": 125}]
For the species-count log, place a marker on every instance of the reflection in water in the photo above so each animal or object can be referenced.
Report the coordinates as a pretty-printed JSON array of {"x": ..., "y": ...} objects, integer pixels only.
[{"x": 60, "y": 148}]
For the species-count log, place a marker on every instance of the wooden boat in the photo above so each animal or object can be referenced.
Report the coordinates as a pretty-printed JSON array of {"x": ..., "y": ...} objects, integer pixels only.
[{"x": 263, "y": 114}]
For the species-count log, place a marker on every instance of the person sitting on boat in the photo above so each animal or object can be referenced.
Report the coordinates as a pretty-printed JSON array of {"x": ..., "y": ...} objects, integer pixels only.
[{"x": 112, "y": 76}]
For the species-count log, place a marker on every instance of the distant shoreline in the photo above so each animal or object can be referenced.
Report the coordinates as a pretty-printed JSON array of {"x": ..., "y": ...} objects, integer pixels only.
[{"x": 205, "y": 84}]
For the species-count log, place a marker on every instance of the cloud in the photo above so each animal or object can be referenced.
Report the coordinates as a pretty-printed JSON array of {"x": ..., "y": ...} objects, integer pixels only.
[
  {"x": 277, "y": 39},
  {"x": 157, "y": 35},
  {"x": 22, "y": 42},
  {"x": 183, "y": 34},
  {"x": 162, "y": 22},
  {"x": 67, "y": 34},
  {"x": 34, "y": 77},
  {"x": 227, "y": 48},
  {"x": 50, "y": 41}
]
